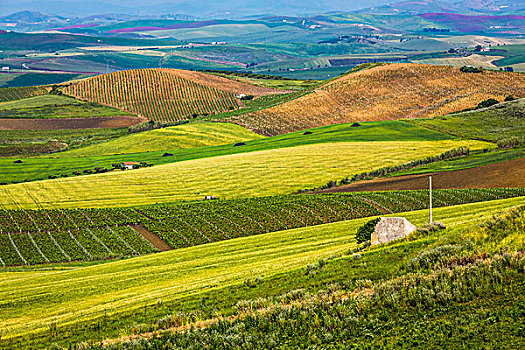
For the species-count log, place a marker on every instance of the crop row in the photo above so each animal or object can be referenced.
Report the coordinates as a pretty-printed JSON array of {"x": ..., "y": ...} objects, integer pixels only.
[
  {"x": 158, "y": 95},
  {"x": 40, "y": 236}
]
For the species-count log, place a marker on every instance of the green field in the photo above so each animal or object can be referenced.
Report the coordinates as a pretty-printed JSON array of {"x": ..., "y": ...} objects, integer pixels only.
[
  {"x": 89, "y": 157},
  {"x": 184, "y": 136},
  {"x": 494, "y": 123},
  {"x": 34, "y": 301},
  {"x": 271, "y": 172},
  {"x": 53, "y": 106}
]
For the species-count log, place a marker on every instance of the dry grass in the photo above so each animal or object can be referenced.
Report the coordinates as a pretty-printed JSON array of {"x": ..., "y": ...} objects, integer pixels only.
[{"x": 386, "y": 92}]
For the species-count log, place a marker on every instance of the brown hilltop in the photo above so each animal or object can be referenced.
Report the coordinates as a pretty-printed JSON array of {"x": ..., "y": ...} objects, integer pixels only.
[{"x": 386, "y": 92}]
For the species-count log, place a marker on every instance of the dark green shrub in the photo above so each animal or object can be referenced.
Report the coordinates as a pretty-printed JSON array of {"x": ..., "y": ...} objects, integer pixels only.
[
  {"x": 364, "y": 233},
  {"x": 468, "y": 69},
  {"x": 487, "y": 103},
  {"x": 509, "y": 98}
]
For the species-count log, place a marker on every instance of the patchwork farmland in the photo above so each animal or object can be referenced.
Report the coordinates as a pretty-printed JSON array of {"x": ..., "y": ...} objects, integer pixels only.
[{"x": 217, "y": 236}]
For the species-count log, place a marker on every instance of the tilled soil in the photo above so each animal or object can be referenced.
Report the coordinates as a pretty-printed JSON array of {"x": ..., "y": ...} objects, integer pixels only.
[{"x": 504, "y": 174}]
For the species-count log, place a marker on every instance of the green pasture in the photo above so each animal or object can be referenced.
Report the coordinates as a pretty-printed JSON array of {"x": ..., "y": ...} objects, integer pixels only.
[
  {"x": 494, "y": 123},
  {"x": 270, "y": 172},
  {"x": 33, "y": 302},
  {"x": 53, "y": 106},
  {"x": 186, "y": 136}
]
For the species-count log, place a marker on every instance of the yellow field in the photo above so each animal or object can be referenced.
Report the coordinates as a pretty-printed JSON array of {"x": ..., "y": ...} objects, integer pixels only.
[
  {"x": 386, "y": 92},
  {"x": 176, "y": 137},
  {"x": 270, "y": 172}
]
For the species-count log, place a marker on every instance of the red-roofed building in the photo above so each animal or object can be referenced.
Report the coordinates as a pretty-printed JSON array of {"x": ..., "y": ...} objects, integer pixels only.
[{"x": 129, "y": 165}]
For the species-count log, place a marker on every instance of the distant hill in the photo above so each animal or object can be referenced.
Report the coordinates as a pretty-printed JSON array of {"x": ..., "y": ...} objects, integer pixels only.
[
  {"x": 30, "y": 17},
  {"x": 494, "y": 7},
  {"x": 386, "y": 92},
  {"x": 165, "y": 95}
]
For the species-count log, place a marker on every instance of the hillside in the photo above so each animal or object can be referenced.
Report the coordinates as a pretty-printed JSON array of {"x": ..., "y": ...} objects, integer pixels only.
[
  {"x": 151, "y": 287},
  {"x": 165, "y": 95},
  {"x": 504, "y": 120},
  {"x": 173, "y": 138},
  {"x": 385, "y": 92},
  {"x": 53, "y": 107}
]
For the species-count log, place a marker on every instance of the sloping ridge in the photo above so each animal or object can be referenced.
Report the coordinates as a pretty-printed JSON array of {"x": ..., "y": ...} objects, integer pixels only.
[{"x": 386, "y": 92}]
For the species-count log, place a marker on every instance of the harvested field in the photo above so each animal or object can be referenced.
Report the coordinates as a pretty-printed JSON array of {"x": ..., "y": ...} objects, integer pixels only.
[
  {"x": 504, "y": 174},
  {"x": 386, "y": 92},
  {"x": 69, "y": 123}
]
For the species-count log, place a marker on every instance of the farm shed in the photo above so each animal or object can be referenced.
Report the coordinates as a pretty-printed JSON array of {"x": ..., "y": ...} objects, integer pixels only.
[{"x": 129, "y": 165}]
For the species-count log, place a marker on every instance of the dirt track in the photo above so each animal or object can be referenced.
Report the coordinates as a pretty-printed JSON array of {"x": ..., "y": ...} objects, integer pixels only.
[
  {"x": 504, "y": 174},
  {"x": 69, "y": 123}
]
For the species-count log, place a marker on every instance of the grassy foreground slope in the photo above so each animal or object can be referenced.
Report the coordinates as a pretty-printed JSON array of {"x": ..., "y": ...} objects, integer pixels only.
[
  {"x": 385, "y": 92},
  {"x": 165, "y": 95},
  {"x": 278, "y": 171},
  {"x": 66, "y": 299},
  {"x": 494, "y": 123}
]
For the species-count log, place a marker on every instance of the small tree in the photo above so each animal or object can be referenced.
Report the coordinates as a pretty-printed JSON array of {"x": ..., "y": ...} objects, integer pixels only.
[{"x": 364, "y": 233}]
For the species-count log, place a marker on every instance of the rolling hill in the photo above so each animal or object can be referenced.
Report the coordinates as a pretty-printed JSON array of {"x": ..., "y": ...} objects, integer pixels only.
[
  {"x": 494, "y": 123},
  {"x": 385, "y": 92},
  {"x": 165, "y": 95}
]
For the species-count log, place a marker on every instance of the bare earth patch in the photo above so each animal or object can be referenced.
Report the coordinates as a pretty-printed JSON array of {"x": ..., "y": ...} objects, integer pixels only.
[{"x": 505, "y": 174}]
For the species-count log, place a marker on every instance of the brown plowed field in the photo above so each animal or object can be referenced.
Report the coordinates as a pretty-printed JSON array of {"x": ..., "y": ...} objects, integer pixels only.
[
  {"x": 505, "y": 174},
  {"x": 69, "y": 123},
  {"x": 388, "y": 92}
]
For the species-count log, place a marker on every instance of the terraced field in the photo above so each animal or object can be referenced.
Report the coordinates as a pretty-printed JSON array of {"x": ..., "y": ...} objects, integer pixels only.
[
  {"x": 78, "y": 299},
  {"x": 29, "y": 237},
  {"x": 270, "y": 172},
  {"x": 387, "y": 92},
  {"x": 165, "y": 95}
]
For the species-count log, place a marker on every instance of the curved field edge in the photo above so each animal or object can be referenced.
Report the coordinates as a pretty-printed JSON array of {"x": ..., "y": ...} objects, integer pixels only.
[
  {"x": 192, "y": 135},
  {"x": 68, "y": 297},
  {"x": 262, "y": 173},
  {"x": 77, "y": 160}
]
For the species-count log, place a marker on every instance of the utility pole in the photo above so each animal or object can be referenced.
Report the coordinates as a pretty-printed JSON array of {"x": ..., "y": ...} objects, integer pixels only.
[{"x": 430, "y": 195}]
